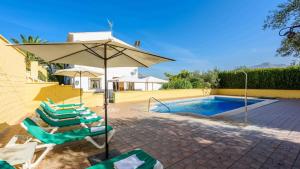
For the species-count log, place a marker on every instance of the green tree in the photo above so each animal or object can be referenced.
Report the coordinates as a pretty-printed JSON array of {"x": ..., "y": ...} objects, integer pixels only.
[
  {"x": 196, "y": 79},
  {"x": 286, "y": 14},
  {"x": 178, "y": 84},
  {"x": 31, "y": 57},
  {"x": 211, "y": 78}
]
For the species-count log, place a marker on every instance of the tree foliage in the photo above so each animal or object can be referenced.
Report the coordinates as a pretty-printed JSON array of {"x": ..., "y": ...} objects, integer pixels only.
[
  {"x": 31, "y": 57},
  {"x": 196, "y": 79},
  {"x": 286, "y": 14}
]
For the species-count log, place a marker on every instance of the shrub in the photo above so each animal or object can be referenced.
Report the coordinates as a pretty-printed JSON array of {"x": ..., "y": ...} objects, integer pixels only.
[
  {"x": 196, "y": 79},
  {"x": 178, "y": 84},
  {"x": 41, "y": 76}
]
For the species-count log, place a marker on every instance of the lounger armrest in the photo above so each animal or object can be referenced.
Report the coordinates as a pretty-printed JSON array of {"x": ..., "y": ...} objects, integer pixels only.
[
  {"x": 37, "y": 119},
  {"x": 51, "y": 130},
  {"x": 61, "y": 108},
  {"x": 15, "y": 138}
]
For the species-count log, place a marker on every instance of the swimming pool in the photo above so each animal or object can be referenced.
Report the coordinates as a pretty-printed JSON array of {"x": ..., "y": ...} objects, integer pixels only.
[{"x": 207, "y": 106}]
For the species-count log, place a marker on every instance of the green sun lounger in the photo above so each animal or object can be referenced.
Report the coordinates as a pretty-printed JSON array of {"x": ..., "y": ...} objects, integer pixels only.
[
  {"x": 64, "y": 105},
  {"x": 83, "y": 121},
  {"x": 62, "y": 137},
  {"x": 149, "y": 161},
  {"x": 48, "y": 141},
  {"x": 66, "y": 110},
  {"x": 5, "y": 165},
  {"x": 63, "y": 114}
]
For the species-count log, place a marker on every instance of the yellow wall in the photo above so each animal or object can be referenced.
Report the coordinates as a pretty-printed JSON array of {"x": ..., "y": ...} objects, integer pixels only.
[
  {"x": 34, "y": 70},
  {"x": 261, "y": 93},
  {"x": 12, "y": 83},
  {"x": 130, "y": 96},
  {"x": 37, "y": 92},
  {"x": 19, "y": 98},
  {"x": 34, "y": 67}
]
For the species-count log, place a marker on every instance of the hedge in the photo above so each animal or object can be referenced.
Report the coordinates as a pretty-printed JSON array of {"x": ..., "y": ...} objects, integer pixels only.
[{"x": 267, "y": 78}]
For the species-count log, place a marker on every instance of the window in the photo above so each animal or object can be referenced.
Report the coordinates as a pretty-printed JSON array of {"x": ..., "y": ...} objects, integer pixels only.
[
  {"x": 95, "y": 84},
  {"x": 130, "y": 86},
  {"x": 116, "y": 86}
]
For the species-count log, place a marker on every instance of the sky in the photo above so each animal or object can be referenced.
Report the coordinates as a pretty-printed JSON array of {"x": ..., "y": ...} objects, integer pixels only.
[{"x": 198, "y": 34}]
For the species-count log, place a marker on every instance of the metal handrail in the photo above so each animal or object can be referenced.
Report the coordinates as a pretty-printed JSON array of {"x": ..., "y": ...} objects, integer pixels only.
[{"x": 158, "y": 102}]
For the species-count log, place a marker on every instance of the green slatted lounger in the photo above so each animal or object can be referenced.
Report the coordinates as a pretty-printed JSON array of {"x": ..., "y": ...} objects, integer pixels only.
[
  {"x": 50, "y": 139},
  {"x": 149, "y": 161},
  {"x": 83, "y": 121},
  {"x": 5, "y": 165},
  {"x": 66, "y": 110},
  {"x": 63, "y": 114},
  {"x": 44, "y": 141},
  {"x": 74, "y": 105}
]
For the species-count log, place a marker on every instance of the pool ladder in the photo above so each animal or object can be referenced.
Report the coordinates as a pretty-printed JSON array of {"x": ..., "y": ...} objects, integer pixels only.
[{"x": 153, "y": 98}]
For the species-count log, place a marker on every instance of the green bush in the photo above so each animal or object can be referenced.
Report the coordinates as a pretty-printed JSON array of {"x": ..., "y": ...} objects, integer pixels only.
[
  {"x": 41, "y": 76},
  {"x": 268, "y": 78},
  {"x": 178, "y": 84},
  {"x": 196, "y": 79}
]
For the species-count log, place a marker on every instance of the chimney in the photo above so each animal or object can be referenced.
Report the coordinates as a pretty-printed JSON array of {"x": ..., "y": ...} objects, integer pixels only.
[{"x": 137, "y": 44}]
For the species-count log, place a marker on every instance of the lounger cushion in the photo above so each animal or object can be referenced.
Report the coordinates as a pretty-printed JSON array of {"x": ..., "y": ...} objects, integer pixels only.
[
  {"x": 60, "y": 137},
  {"x": 142, "y": 155},
  {"x": 65, "y": 105},
  {"x": 65, "y": 110},
  {"x": 65, "y": 122},
  {"x": 62, "y": 114},
  {"x": 5, "y": 165}
]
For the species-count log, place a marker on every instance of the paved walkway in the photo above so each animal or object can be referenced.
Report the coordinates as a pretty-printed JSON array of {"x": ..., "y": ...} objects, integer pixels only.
[{"x": 182, "y": 142}]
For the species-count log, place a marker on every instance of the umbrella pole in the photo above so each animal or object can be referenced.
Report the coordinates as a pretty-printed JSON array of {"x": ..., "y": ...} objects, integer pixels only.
[
  {"x": 80, "y": 87},
  {"x": 105, "y": 101}
]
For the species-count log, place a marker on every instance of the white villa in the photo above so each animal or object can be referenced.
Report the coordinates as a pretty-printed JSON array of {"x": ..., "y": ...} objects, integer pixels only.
[{"x": 120, "y": 78}]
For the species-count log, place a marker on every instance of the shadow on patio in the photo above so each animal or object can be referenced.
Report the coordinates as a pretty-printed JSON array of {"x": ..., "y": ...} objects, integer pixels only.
[
  {"x": 178, "y": 144},
  {"x": 188, "y": 142}
]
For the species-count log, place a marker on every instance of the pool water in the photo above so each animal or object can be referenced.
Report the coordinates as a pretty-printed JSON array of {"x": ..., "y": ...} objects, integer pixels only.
[{"x": 207, "y": 106}]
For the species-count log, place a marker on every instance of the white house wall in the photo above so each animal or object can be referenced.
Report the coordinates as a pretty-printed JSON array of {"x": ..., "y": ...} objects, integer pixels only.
[
  {"x": 140, "y": 86},
  {"x": 111, "y": 73},
  {"x": 147, "y": 86}
]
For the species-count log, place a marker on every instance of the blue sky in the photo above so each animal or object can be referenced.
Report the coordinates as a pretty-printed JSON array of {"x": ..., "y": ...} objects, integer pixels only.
[{"x": 200, "y": 35}]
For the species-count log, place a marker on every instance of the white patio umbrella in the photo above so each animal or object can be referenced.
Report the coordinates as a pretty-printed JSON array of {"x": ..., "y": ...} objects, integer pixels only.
[
  {"x": 101, "y": 53},
  {"x": 78, "y": 72}
]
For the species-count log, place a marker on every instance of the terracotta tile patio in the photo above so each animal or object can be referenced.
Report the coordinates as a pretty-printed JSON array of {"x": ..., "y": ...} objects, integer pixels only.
[{"x": 272, "y": 140}]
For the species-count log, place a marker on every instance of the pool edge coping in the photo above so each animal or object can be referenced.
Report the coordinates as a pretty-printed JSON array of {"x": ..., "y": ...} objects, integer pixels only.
[
  {"x": 249, "y": 108},
  {"x": 230, "y": 112}
]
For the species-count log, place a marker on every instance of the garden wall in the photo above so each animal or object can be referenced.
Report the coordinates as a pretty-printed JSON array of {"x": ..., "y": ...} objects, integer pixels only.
[
  {"x": 269, "y": 93},
  {"x": 12, "y": 83},
  {"x": 132, "y": 96},
  {"x": 37, "y": 92}
]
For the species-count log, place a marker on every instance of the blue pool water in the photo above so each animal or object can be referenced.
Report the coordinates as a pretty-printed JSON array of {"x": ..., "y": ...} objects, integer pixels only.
[{"x": 204, "y": 106}]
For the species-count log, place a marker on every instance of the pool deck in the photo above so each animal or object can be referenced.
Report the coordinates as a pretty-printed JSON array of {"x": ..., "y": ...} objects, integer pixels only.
[{"x": 271, "y": 140}]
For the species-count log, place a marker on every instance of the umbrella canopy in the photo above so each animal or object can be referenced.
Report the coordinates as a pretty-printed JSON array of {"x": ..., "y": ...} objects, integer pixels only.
[
  {"x": 93, "y": 53},
  {"x": 101, "y": 53},
  {"x": 77, "y": 71}
]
